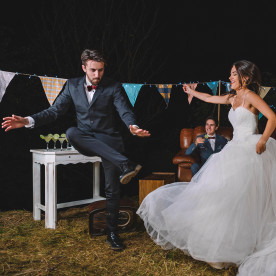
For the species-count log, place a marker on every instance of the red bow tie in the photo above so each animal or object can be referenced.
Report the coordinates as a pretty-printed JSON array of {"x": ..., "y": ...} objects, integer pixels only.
[
  {"x": 91, "y": 87},
  {"x": 212, "y": 137}
]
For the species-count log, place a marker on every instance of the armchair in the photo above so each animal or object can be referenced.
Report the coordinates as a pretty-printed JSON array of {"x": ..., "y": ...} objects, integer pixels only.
[{"x": 187, "y": 137}]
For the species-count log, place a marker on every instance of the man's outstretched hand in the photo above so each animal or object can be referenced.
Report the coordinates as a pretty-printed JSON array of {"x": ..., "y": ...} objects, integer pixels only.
[
  {"x": 138, "y": 131},
  {"x": 14, "y": 122}
]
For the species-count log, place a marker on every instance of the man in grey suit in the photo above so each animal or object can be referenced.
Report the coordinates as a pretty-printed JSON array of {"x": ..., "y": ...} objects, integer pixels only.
[
  {"x": 206, "y": 144},
  {"x": 97, "y": 100}
]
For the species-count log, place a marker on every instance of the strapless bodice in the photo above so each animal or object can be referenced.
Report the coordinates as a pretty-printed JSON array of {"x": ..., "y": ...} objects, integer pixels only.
[{"x": 244, "y": 122}]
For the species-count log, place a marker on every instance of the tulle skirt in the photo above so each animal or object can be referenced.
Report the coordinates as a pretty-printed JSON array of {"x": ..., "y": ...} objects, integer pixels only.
[{"x": 227, "y": 213}]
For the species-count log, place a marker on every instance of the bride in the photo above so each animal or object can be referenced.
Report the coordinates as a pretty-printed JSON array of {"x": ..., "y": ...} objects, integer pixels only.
[{"x": 227, "y": 214}]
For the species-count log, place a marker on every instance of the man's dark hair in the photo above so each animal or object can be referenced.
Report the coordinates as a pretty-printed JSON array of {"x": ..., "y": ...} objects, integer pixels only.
[
  {"x": 212, "y": 118},
  {"x": 94, "y": 55}
]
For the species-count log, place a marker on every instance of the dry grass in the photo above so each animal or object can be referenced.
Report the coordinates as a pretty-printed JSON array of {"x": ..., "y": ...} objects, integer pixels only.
[{"x": 27, "y": 248}]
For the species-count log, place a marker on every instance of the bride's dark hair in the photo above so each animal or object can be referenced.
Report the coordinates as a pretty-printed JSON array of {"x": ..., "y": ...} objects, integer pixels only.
[{"x": 249, "y": 71}]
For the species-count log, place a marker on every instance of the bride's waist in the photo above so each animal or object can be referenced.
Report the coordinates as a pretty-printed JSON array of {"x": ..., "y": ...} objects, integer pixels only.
[{"x": 243, "y": 132}]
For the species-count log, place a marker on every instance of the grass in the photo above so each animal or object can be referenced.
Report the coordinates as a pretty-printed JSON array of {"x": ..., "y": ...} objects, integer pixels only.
[{"x": 27, "y": 248}]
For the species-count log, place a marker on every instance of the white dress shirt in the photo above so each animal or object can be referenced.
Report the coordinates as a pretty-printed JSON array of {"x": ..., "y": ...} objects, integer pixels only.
[
  {"x": 89, "y": 94},
  {"x": 212, "y": 141}
]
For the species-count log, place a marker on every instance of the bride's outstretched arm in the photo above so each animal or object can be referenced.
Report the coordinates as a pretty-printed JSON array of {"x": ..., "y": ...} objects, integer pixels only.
[
  {"x": 206, "y": 97},
  {"x": 263, "y": 107}
]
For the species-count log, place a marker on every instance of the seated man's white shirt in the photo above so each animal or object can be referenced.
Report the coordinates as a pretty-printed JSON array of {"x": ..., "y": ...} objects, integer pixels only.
[{"x": 212, "y": 142}]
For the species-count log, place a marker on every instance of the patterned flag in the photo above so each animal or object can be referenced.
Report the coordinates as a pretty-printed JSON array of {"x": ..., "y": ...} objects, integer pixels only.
[
  {"x": 165, "y": 91},
  {"x": 132, "y": 90},
  {"x": 5, "y": 79},
  {"x": 263, "y": 91},
  {"x": 52, "y": 87}
]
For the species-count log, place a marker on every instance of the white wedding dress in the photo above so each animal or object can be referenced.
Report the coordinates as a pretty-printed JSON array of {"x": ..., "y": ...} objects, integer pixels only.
[{"x": 227, "y": 213}]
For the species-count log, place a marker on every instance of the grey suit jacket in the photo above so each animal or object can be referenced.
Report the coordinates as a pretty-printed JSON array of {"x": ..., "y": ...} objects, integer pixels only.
[{"x": 98, "y": 117}]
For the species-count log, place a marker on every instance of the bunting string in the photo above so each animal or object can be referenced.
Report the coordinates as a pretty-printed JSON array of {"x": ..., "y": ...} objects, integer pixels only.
[{"x": 53, "y": 85}]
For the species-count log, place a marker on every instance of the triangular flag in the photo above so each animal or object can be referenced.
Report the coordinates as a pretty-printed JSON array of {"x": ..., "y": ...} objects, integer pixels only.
[
  {"x": 213, "y": 85},
  {"x": 190, "y": 97},
  {"x": 52, "y": 87},
  {"x": 228, "y": 86},
  {"x": 132, "y": 90},
  {"x": 263, "y": 91},
  {"x": 165, "y": 91},
  {"x": 5, "y": 79}
]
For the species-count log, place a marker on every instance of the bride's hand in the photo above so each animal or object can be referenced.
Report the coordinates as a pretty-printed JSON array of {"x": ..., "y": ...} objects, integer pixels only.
[
  {"x": 187, "y": 89},
  {"x": 260, "y": 147}
]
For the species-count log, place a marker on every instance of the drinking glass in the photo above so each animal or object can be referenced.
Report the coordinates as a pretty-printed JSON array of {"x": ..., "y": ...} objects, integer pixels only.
[
  {"x": 55, "y": 138},
  {"x": 47, "y": 139},
  {"x": 61, "y": 139}
]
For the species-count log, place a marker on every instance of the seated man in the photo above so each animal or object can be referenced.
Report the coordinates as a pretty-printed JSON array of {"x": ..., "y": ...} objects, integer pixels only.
[{"x": 206, "y": 144}]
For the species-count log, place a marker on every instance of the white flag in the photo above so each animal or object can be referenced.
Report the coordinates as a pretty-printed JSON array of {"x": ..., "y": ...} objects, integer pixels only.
[{"x": 5, "y": 79}]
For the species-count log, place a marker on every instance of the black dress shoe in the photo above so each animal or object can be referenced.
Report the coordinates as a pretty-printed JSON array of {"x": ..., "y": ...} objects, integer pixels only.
[
  {"x": 114, "y": 241},
  {"x": 129, "y": 170}
]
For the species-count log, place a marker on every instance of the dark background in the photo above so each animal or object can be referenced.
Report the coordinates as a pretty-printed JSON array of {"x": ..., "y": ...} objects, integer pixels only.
[{"x": 145, "y": 42}]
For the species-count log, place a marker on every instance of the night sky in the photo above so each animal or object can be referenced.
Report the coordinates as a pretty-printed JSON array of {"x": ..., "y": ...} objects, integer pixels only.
[{"x": 197, "y": 42}]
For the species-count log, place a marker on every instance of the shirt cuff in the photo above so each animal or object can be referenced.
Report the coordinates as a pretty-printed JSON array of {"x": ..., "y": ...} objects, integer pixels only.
[
  {"x": 135, "y": 126},
  {"x": 31, "y": 122}
]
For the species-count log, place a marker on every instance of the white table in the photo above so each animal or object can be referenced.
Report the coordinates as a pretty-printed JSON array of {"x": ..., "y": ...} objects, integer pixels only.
[{"x": 51, "y": 159}]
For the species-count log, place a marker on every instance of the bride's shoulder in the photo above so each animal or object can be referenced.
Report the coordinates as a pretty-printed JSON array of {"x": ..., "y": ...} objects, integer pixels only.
[{"x": 251, "y": 95}]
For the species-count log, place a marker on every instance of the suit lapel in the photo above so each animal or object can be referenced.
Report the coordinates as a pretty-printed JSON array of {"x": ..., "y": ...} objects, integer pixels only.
[
  {"x": 216, "y": 143},
  {"x": 82, "y": 92}
]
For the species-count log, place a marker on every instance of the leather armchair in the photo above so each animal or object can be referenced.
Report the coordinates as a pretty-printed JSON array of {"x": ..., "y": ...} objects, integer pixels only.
[{"x": 187, "y": 137}]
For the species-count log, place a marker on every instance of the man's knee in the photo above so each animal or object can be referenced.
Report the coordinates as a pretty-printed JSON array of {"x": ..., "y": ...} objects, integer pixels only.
[{"x": 71, "y": 133}]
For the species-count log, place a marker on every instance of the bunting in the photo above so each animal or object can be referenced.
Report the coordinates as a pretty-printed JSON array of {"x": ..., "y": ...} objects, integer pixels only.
[
  {"x": 165, "y": 91},
  {"x": 213, "y": 85},
  {"x": 52, "y": 87},
  {"x": 264, "y": 90},
  {"x": 5, "y": 79},
  {"x": 228, "y": 86},
  {"x": 190, "y": 97},
  {"x": 132, "y": 90}
]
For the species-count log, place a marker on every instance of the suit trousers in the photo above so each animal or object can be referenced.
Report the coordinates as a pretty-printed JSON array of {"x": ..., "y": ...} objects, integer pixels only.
[
  {"x": 195, "y": 168},
  {"x": 112, "y": 159}
]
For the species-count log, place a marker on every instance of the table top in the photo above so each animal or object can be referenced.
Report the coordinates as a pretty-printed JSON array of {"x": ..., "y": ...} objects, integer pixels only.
[{"x": 55, "y": 152}]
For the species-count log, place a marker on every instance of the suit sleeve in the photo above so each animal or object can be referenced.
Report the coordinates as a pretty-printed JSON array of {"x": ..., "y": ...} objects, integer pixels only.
[
  {"x": 122, "y": 106},
  {"x": 60, "y": 106},
  {"x": 191, "y": 148}
]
